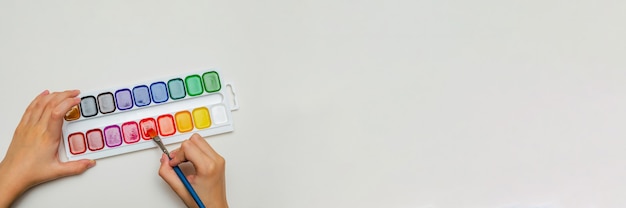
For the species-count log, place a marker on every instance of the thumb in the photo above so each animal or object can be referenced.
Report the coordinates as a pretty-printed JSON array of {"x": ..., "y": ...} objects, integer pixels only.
[
  {"x": 169, "y": 176},
  {"x": 167, "y": 172},
  {"x": 76, "y": 167}
]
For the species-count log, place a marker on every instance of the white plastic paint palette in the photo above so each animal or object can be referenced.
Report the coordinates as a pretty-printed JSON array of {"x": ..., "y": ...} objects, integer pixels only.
[{"x": 115, "y": 121}]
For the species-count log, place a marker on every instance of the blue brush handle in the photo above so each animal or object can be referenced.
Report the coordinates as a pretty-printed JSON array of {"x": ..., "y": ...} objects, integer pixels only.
[{"x": 188, "y": 186}]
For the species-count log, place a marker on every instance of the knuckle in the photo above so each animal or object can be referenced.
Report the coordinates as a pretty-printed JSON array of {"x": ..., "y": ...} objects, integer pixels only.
[
  {"x": 51, "y": 96},
  {"x": 220, "y": 161},
  {"x": 56, "y": 114},
  {"x": 185, "y": 145},
  {"x": 36, "y": 104},
  {"x": 215, "y": 167},
  {"x": 211, "y": 168},
  {"x": 51, "y": 102},
  {"x": 195, "y": 137},
  {"x": 202, "y": 169}
]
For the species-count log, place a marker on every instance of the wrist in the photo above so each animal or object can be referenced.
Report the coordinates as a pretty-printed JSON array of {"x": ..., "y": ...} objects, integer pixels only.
[
  {"x": 11, "y": 185},
  {"x": 218, "y": 200}
]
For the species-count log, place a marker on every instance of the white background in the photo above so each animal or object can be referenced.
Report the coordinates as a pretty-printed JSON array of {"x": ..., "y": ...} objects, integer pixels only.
[{"x": 423, "y": 103}]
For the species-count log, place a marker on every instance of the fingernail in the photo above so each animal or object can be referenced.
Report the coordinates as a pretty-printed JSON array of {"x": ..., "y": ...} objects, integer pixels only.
[
  {"x": 91, "y": 163},
  {"x": 44, "y": 92},
  {"x": 162, "y": 159}
]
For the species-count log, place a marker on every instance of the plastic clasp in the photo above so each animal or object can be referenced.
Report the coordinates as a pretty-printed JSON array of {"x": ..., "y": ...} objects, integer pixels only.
[{"x": 232, "y": 96}]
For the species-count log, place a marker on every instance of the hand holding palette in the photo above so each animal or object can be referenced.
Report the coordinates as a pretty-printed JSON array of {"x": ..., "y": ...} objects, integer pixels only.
[{"x": 115, "y": 121}]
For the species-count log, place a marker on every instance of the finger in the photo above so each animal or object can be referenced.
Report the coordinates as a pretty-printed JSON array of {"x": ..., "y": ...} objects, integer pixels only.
[
  {"x": 27, "y": 119},
  {"x": 189, "y": 151},
  {"x": 217, "y": 162},
  {"x": 42, "y": 104},
  {"x": 169, "y": 176},
  {"x": 54, "y": 102},
  {"x": 75, "y": 167},
  {"x": 204, "y": 146},
  {"x": 56, "y": 118}
]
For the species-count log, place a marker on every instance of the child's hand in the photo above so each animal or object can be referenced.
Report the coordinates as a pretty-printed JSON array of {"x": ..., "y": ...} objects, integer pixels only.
[
  {"x": 32, "y": 157},
  {"x": 208, "y": 181}
]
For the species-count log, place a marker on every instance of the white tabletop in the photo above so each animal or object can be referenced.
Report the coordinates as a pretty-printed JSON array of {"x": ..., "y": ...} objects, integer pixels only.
[{"x": 349, "y": 103}]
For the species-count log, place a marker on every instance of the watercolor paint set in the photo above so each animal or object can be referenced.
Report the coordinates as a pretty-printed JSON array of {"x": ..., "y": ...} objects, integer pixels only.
[{"x": 116, "y": 121}]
